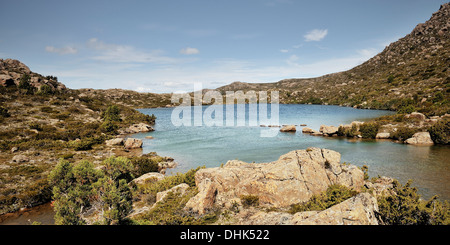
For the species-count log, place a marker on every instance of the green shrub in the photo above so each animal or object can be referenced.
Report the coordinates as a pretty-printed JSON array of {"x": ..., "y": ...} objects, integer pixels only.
[
  {"x": 45, "y": 90},
  {"x": 390, "y": 78},
  {"x": 170, "y": 181},
  {"x": 112, "y": 113},
  {"x": 83, "y": 145},
  {"x": 348, "y": 132},
  {"x": 47, "y": 109},
  {"x": 145, "y": 164},
  {"x": 118, "y": 168},
  {"x": 440, "y": 132},
  {"x": 403, "y": 133},
  {"x": 369, "y": 130},
  {"x": 108, "y": 126},
  {"x": 249, "y": 200},
  {"x": 170, "y": 211},
  {"x": 25, "y": 85},
  {"x": 406, "y": 109},
  {"x": 77, "y": 186},
  {"x": 407, "y": 208},
  {"x": 4, "y": 112},
  {"x": 36, "y": 126},
  {"x": 333, "y": 195}
]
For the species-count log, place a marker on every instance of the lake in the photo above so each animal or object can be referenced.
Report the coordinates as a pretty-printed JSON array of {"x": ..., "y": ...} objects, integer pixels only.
[{"x": 210, "y": 146}]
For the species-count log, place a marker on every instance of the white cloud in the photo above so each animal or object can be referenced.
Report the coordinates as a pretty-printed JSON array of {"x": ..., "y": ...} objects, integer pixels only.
[
  {"x": 292, "y": 60},
  {"x": 62, "y": 51},
  {"x": 315, "y": 35},
  {"x": 127, "y": 54},
  {"x": 189, "y": 51},
  {"x": 367, "y": 53},
  {"x": 284, "y": 50}
]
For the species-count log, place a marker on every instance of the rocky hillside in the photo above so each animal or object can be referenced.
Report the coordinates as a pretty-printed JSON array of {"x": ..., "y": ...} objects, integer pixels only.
[
  {"x": 15, "y": 73},
  {"x": 42, "y": 121},
  {"x": 411, "y": 74}
]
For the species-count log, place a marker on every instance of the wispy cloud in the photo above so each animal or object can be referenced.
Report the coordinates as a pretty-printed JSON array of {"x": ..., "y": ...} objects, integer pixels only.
[
  {"x": 189, "y": 51},
  {"x": 315, "y": 35},
  {"x": 200, "y": 33},
  {"x": 245, "y": 36},
  {"x": 127, "y": 54},
  {"x": 62, "y": 51},
  {"x": 284, "y": 50},
  {"x": 272, "y": 3}
]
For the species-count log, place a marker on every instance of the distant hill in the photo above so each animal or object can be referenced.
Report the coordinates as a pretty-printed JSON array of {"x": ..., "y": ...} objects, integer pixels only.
[
  {"x": 13, "y": 72},
  {"x": 411, "y": 74}
]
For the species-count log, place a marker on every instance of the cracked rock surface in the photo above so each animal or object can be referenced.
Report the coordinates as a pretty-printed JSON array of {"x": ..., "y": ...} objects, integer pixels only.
[{"x": 293, "y": 178}]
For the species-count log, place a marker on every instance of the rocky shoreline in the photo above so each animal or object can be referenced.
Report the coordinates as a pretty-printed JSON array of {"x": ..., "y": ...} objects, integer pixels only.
[
  {"x": 416, "y": 127},
  {"x": 295, "y": 177}
]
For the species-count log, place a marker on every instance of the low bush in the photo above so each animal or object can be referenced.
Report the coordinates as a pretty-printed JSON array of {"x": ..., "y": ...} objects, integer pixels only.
[
  {"x": 249, "y": 200},
  {"x": 4, "y": 112},
  {"x": 348, "y": 132},
  {"x": 170, "y": 181},
  {"x": 440, "y": 132},
  {"x": 333, "y": 195},
  {"x": 369, "y": 129},
  {"x": 145, "y": 164},
  {"x": 403, "y": 133},
  {"x": 407, "y": 208}
]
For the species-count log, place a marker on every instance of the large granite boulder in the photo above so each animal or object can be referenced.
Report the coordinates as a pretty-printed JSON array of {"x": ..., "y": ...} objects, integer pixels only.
[
  {"x": 132, "y": 143},
  {"x": 358, "y": 210},
  {"x": 420, "y": 138},
  {"x": 293, "y": 178},
  {"x": 328, "y": 129}
]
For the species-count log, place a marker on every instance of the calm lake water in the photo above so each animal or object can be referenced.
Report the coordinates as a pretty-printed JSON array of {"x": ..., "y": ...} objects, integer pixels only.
[{"x": 209, "y": 146}]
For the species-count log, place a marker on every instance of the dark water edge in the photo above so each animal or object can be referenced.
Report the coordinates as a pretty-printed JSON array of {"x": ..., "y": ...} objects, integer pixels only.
[{"x": 42, "y": 214}]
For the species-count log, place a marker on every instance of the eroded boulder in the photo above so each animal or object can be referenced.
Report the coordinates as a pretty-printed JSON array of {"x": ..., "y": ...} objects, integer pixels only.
[{"x": 293, "y": 178}]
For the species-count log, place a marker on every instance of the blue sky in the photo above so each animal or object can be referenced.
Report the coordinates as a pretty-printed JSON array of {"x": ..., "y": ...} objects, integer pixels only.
[{"x": 167, "y": 46}]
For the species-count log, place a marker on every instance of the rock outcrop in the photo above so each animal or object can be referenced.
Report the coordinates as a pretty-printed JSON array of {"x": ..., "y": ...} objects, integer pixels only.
[
  {"x": 293, "y": 178},
  {"x": 383, "y": 135},
  {"x": 11, "y": 72},
  {"x": 136, "y": 128},
  {"x": 358, "y": 210},
  {"x": 329, "y": 130},
  {"x": 114, "y": 142},
  {"x": 288, "y": 128},
  {"x": 132, "y": 143}
]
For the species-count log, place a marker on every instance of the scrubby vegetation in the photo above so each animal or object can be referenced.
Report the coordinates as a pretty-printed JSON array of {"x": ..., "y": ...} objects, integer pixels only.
[
  {"x": 440, "y": 132},
  {"x": 407, "y": 208},
  {"x": 332, "y": 196},
  {"x": 80, "y": 187},
  {"x": 369, "y": 130},
  {"x": 170, "y": 211},
  {"x": 46, "y": 124}
]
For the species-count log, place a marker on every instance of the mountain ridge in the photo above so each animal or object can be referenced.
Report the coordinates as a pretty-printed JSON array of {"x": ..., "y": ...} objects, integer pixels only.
[{"x": 409, "y": 74}]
